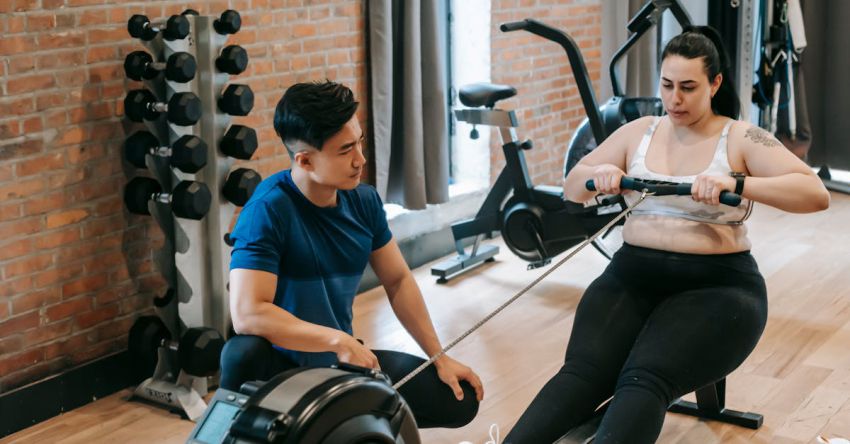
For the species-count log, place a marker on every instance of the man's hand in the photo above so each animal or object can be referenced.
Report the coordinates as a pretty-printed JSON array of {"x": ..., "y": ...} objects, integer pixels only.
[
  {"x": 351, "y": 351},
  {"x": 452, "y": 372}
]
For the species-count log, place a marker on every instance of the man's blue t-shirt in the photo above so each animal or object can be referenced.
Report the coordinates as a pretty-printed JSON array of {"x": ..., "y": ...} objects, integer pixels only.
[{"x": 318, "y": 254}]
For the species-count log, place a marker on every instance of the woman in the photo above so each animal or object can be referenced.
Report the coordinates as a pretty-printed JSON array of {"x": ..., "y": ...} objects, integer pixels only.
[{"x": 682, "y": 304}]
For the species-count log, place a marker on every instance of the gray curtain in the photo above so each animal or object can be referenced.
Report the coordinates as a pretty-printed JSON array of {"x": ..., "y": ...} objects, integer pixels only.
[
  {"x": 615, "y": 16},
  {"x": 642, "y": 70},
  {"x": 638, "y": 70},
  {"x": 409, "y": 85},
  {"x": 826, "y": 64}
]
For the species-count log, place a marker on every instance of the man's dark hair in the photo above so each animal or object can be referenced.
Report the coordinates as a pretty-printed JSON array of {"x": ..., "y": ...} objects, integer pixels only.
[
  {"x": 313, "y": 112},
  {"x": 705, "y": 42}
]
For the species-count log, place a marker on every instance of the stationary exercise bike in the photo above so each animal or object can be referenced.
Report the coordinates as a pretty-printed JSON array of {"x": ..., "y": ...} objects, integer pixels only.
[{"x": 536, "y": 222}]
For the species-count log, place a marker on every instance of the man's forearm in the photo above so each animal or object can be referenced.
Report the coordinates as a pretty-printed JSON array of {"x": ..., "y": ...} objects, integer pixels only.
[
  {"x": 409, "y": 307},
  {"x": 283, "y": 329}
]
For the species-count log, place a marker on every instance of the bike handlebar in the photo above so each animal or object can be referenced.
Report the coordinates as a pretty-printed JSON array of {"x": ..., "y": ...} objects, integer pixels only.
[
  {"x": 582, "y": 78},
  {"x": 647, "y": 17},
  {"x": 513, "y": 26},
  {"x": 666, "y": 189}
]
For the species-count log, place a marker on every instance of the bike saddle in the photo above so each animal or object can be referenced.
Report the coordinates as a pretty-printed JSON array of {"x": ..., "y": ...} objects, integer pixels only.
[{"x": 484, "y": 94}]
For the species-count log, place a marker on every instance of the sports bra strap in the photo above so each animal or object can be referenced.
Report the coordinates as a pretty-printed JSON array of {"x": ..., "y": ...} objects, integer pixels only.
[
  {"x": 647, "y": 138},
  {"x": 727, "y": 127}
]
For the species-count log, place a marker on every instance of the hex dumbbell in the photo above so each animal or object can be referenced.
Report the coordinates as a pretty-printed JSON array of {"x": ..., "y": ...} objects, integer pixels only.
[
  {"x": 228, "y": 23},
  {"x": 236, "y": 100},
  {"x": 140, "y": 27},
  {"x": 146, "y": 336},
  {"x": 189, "y": 199},
  {"x": 180, "y": 66},
  {"x": 198, "y": 350},
  {"x": 188, "y": 153},
  {"x": 232, "y": 60},
  {"x": 239, "y": 142},
  {"x": 240, "y": 185},
  {"x": 183, "y": 108}
]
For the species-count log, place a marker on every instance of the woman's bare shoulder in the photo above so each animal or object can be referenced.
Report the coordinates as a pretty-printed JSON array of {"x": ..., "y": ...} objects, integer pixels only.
[{"x": 636, "y": 128}]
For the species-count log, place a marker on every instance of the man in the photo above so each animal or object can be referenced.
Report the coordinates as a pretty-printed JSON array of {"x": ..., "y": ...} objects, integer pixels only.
[{"x": 301, "y": 245}]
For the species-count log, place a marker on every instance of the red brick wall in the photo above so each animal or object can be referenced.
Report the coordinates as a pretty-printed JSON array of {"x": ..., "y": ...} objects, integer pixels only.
[
  {"x": 76, "y": 266},
  {"x": 547, "y": 102}
]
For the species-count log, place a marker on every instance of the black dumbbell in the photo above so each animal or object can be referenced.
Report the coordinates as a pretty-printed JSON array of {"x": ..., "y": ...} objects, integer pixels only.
[
  {"x": 239, "y": 142},
  {"x": 183, "y": 108},
  {"x": 240, "y": 185},
  {"x": 180, "y": 66},
  {"x": 189, "y": 199},
  {"x": 198, "y": 350},
  {"x": 190, "y": 12},
  {"x": 146, "y": 335},
  {"x": 140, "y": 27},
  {"x": 228, "y": 23},
  {"x": 188, "y": 153},
  {"x": 236, "y": 100},
  {"x": 233, "y": 60}
]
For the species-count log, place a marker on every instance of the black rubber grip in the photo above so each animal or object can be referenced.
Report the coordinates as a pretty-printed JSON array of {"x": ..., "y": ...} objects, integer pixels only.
[{"x": 513, "y": 26}]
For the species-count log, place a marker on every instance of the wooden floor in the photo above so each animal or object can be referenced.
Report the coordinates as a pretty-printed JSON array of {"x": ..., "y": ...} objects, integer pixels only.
[{"x": 798, "y": 376}]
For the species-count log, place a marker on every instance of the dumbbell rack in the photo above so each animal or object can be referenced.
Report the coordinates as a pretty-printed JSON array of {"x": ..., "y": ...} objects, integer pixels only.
[
  {"x": 195, "y": 258},
  {"x": 213, "y": 126}
]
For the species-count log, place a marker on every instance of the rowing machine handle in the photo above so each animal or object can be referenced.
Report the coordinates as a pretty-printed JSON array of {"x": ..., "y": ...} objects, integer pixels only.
[{"x": 680, "y": 189}]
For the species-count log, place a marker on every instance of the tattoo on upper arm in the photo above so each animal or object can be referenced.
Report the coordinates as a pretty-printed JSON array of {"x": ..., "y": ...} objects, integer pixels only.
[{"x": 759, "y": 135}]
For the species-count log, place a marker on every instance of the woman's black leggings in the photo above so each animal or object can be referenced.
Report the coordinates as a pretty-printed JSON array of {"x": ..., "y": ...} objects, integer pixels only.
[
  {"x": 654, "y": 326},
  {"x": 252, "y": 358}
]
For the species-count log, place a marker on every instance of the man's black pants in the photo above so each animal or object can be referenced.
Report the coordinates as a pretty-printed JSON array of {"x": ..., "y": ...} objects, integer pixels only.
[{"x": 252, "y": 358}]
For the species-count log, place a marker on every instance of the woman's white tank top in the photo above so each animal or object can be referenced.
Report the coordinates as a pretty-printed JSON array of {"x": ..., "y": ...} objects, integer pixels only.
[{"x": 684, "y": 206}]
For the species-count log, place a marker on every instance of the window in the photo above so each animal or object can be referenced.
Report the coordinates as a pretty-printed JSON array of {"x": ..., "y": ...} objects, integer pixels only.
[{"x": 469, "y": 62}]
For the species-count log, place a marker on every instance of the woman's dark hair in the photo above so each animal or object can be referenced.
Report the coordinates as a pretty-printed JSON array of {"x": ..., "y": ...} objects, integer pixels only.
[
  {"x": 313, "y": 112},
  {"x": 704, "y": 42}
]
